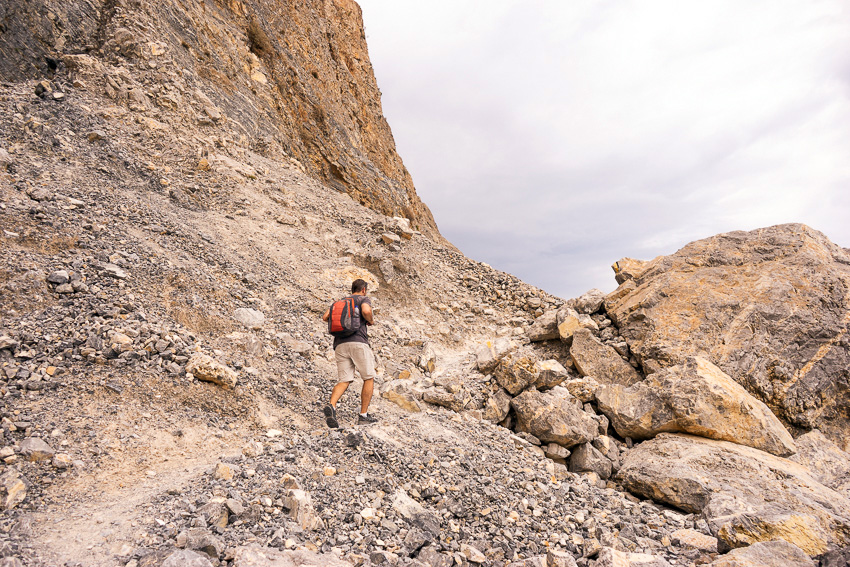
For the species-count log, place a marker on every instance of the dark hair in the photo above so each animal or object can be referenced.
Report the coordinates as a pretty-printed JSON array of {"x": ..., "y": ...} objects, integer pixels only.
[{"x": 358, "y": 285}]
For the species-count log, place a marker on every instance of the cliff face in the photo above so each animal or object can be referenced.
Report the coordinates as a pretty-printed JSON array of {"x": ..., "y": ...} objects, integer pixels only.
[{"x": 285, "y": 79}]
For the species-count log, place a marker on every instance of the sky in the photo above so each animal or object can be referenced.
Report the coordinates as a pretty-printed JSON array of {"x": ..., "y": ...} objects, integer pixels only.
[{"x": 552, "y": 138}]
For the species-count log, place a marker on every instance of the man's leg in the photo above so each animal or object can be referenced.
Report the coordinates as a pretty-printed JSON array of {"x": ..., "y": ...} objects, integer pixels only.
[
  {"x": 366, "y": 394},
  {"x": 338, "y": 391}
]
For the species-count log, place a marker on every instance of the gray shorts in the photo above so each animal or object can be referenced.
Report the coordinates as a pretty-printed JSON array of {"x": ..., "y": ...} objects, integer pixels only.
[{"x": 351, "y": 356}]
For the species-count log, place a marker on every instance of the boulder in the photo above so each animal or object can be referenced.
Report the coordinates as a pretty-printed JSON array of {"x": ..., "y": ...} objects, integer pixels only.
[
  {"x": 428, "y": 358},
  {"x": 439, "y": 397},
  {"x": 588, "y": 303},
  {"x": 255, "y": 556},
  {"x": 745, "y": 494},
  {"x": 770, "y": 307},
  {"x": 592, "y": 358},
  {"x": 251, "y": 318},
  {"x": 497, "y": 406},
  {"x": 550, "y": 373},
  {"x": 610, "y": 557},
  {"x": 515, "y": 373},
  {"x": 554, "y": 417},
  {"x": 544, "y": 328},
  {"x": 687, "y": 537},
  {"x": 777, "y": 553},
  {"x": 694, "y": 397},
  {"x": 301, "y": 510},
  {"x": 186, "y": 558},
  {"x": 415, "y": 514},
  {"x": 208, "y": 369},
  {"x": 569, "y": 321},
  {"x": 490, "y": 353},
  {"x": 586, "y": 458},
  {"x": 401, "y": 395},
  {"x": 584, "y": 389},
  {"x": 626, "y": 269},
  {"x": 829, "y": 464},
  {"x": 34, "y": 449}
]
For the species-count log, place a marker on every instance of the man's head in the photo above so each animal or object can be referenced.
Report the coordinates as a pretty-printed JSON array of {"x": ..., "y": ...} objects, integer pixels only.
[{"x": 358, "y": 286}]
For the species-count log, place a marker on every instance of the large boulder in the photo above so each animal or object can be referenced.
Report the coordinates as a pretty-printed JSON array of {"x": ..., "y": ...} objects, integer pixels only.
[
  {"x": 490, "y": 353},
  {"x": 592, "y": 358},
  {"x": 544, "y": 328},
  {"x": 569, "y": 321},
  {"x": 208, "y": 369},
  {"x": 829, "y": 464},
  {"x": 770, "y": 307},
  {"x": 609, "y": 557},
  {"x": 694, "y": 397},
  {"x": 586, "y": 458},
  {"x": 554, "y": 417},
  {"x": 516, "y": 373},
  {"x": 550, "y": 373},
  {"x": 777, "y": 553},
  {"x": 497, "y": 406},
  {"x": 746, "y": 495}
]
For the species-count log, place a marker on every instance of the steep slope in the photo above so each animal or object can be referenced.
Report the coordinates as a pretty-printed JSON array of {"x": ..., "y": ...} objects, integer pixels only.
[{"x": 285, "y": 78}]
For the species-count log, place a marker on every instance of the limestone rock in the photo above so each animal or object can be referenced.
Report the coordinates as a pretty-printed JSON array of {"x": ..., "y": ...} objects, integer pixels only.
[
  {"x": 626, "y": 269},
  {"x": 490, "y": 353},
  {"x": 583, "y": 389},
  {"x": 550, "y": 373},
  {"x": 829, "y": 464},
  {"x": 428, "y": 358},
  {"x": 251, "y": 318},
  {"x": 206, "y": 368},
  {"x": 585, "y": 458},
  {"x": 497, "y": 406},
  {"x": 516, "y": 373},
  {"x": 610, "y": 557},
  {"x": 400, "y": 394},
  {"x": 544, "y": 328},
  {"x": 746, "y": 495},
  {"x": 592, "y": 358},
  {"x": 777, "y": 553},
  {"x": 12, "y": 488},
  {"x": 769, "y": 307},
  {"x": 300, "y": 507},
  {"x": 255, "y": 556},
  {"x": 557, "y": 558},
  {"x": 186, "y": 558},
  {"x": 439, "y": 397},
  {"x": 415, "y": 514},
  {"x": 569, "y": 321},
  {"x": 589, "y": 302},
  {"x": 687, "y": 537},
  {"x": 7, "y": 342},
  {"x": 34, "y": 449},
  {"x": 553, "y": 417},
  {"x": 694, "y": 397}
]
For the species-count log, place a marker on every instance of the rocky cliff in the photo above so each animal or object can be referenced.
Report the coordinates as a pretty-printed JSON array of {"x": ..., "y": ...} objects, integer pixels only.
[{"x": 284, "y": 79}]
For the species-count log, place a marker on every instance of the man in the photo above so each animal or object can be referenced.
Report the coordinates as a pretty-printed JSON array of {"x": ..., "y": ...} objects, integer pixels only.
[{"x": 353, "y": 352}]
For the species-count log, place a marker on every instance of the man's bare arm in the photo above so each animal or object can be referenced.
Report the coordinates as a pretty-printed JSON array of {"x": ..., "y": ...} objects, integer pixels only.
[
  {"x": 366, "y": 311},
  {"x": 326, "y": 315}
]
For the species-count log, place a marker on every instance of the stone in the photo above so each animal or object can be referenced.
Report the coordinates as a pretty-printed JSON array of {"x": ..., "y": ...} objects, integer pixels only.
[
  {"x": 35, "y": 450},
  {"x": 215, "y": 513},
  {"x": 695, "y": 397},
  {"x": 589, "y": 302},
  {"x": 14, "y": 489},
  {"x": 5, "y": 160},
  {"x": 416, "y": 514},
  {"x": 544, "y": 328},
  {"x": 59, "y": 277},
  {"x": 746, "y": 495},
  {"x": 200, "y": 539},
  {"x": 769, "y": 307},
  {"x": 497, "y": 406},
  {"x": 390, "y": 238},
  {"x": 428, "y": 358},
  {"x": 287, "y": 219},
  {"x": 7, "y": 342},
  {"x": 251, "y": 318},
  {"x": 433, "y": 558},
  {"x": 472, "y": 554},
  {"x": 401, "y": 395},
  {"x": 114, "y": 271},
  {"x": 301, "y": 510},
  {"x": 490, "y": 353},
  {"x": 777, "y": 553},
  {"x": 555, "y": 451},
  {"x": 186, "y": 558},
  {"x": 829, "y": 464},
  {"x": 626, "y": 269},
  {"x": 226, "y": 164},
  {"x": 558, "y": 558},
  {"x": 583, "y": 389},
  {"x": 550, "y": 373},
  {"x": 255, "y": 556},
  {"x": 516, "y": 373},
  {"x": 553, "y": 417},
  {"x": 61, "y": 461},
  {"x": 687, "y": 537},
  {"x": 609, "y": 557},
  {"x": 586, "y": 458},
  {"x": 569, "y": 321},
  {"x": 439, "y": 397},
  {"x": 592, "y": 358},
  {"x": 223, "y": 471},
  {"x": 207, "y": 369}
]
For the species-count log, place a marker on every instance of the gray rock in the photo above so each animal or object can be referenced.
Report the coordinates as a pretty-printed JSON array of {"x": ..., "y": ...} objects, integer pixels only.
[
  {"x": 694, "y": 397},
  {"x": 202, "y": 540},
  {"x": 251, "y": 318},
  {"x": 553, "y": 417},
  {"x": 497, "y": 406},
  {"x": 769, "y": 307},
  {"x": 588, "y": 303},
  {"x": 59, "y": 277},
  {"x": 550, "y": 373},
  {"x": 254, "y": 556},
  {"x": 415, "y": 514},
  {"x": 433, "y": 558},
  {"x": 829, "y": 464},
  {"x": 489, "y": 354},
  {"x": 7, "y": 342},
  {"x": 592, "y": 358},
  {"x": 586, "y": 458},
  {"x": 34, "y": 449},
  {"x": 186, "y": 558},
  {"x": 114, "y": 271},
  {"x": 777, "y": 553},
  {"x": 544, "y": 328},
  {"x": 5, "y": 160},
  {"x": 609, "y": 557},
  {"x": 516, "y": 373}
]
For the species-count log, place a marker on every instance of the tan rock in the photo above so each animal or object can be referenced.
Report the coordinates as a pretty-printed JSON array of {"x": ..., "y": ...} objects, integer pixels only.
[
  {"x": 255, "y": 556},
  {"x": 223, "y": 472},
  {"x": 777, "y": 553},
  {"x": 770, "y": 307},
  {"x": 609, "y": 557},
  {"x": 208, "y": 369},
  {"x": 584, "y": 389},
  {"x": 490, "y": 353},
  {"x": 697, "y": 540},
  {"x": 400, "y": 394},
  {"x": 300, "y": 507},
  {"x": 515, "y": 373},
  {"x": 550, "y": 373},
  {"x": 553, "y": 417},
  {"x": 829, "y": 464},
  {"x": 569, "y": 321},
  {"x": 14, "y": 489},
  {"x": 694, "y": 397},
  {"x": 746, "y": 495},
  {"x": 544, "y": 328},
  {"x": 628, "y": 269},
  {"x": 497, "y": 406},
  {"x": 592, "y": 358}
]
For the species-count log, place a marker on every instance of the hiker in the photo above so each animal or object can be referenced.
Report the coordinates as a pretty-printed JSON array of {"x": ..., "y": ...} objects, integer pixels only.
[{"x": 348, "y": 324}]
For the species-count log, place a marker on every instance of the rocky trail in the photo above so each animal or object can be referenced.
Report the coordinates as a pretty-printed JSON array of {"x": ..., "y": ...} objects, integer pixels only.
[{"x": 182, "y": 199}]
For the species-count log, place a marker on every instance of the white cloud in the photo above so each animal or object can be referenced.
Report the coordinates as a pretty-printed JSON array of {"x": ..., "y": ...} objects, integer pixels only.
[{"x": 552, "y": 138}]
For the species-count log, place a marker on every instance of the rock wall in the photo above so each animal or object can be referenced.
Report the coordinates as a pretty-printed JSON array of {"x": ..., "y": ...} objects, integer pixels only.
[{"x": 291, "y": 79}]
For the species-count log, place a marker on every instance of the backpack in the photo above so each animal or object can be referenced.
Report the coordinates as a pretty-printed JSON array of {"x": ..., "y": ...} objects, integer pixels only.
[{"x": 344, "y": 319}]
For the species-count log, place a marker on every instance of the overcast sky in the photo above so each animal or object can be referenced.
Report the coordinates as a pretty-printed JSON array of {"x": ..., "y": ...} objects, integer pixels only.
[{"x": 552, "y": 138}]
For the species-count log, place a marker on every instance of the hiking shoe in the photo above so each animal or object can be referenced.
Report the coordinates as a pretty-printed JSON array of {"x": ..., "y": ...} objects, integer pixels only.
[
  {"x": 330, "y": 416},
  {"x": 366, "y": 419}
]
